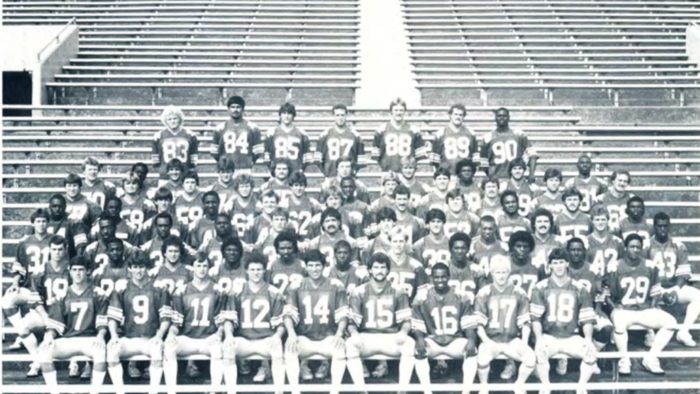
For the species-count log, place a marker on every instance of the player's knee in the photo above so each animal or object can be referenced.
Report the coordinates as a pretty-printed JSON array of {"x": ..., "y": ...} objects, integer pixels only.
[
  {"x": 528, "y": 357},
  {"x": 155, "y": 350},
  {"x": 408, "y": 347},
  {"x": 276, "y": 349},
  {"x": 353, "y": 346},
  {"x": 99, "y": 353},
  {"x": 170, "y": 350},
  {"x": 484, "y": 356},
  {"x": 541, "y": 353},
  {"x": 113, "y": 350},
  {"x": 604, "y": 335}
]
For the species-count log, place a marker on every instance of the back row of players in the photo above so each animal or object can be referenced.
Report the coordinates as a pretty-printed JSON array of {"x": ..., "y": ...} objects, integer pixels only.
[{"x": 144, "y": 219}]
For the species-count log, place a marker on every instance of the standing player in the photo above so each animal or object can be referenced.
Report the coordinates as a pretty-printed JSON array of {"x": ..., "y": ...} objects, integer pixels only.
[
  {"x": 572, "y": 222},
  {"x": 380, "y": 321},
  {"x": 94, "y": 188},
  {"x": 79, "y": 316},
  {"x": 136, "y": 208},
  {"x": 316, "y": 313},
  {"x": 509, "y": 220},
  {"x": 237, "y": 139},
  {"x": 300, "y": 205},
  {"x": 434, "y": 247},
  {"x": 559, "y": 306},
  {"x": 458, "y": 216},
  {"x": 396, "y": 139},
  {"x": 287, "y": 141},
  {"x": 338, "y": 141},
  {"x": 346, "y": 268},
  {"x": 486, "y": 245},
  {"x": 604, "y": 248},
  {"x": 545, "y": 240},
  {"x": 503, "y": 145},
  {"x": 551, "y": 197},
  {"x": 615, "y": 198},
  {"x": 174, "y": 141},
  {"x": 188, "y": 205},
  {"x": 75, "y": 233},
  {"x": 78, "y": 207},
  {"x": 635, "y": 221},
  {"x": 454, "y": 142},
  {"x": 287, "y": 269},
  {"x": 243, "y": 205},
  {"x": 517, "y": 182},
  {"x": 225, "y": 185},
  {"x": 443, "y": 324},
  {"x": 589, "y": 185},
  {"x": 435, "y": 199},
  {"x": 472, "y": 193},
  {"x": 411, "y": 226}
]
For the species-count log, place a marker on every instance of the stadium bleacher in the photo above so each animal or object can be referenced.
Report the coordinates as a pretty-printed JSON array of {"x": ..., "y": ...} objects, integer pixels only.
[{"x": 544, "y": 59}]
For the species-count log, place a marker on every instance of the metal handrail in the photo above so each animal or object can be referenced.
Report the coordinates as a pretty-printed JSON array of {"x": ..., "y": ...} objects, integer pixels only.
[{"x": 58, "y": 36}]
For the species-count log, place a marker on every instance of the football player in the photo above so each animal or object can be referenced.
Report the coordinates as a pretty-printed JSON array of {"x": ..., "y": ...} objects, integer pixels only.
[
  {"x": 344, "y": 169},
  {"x": 94, "y": 188},
  {"x": 356, "y": 210},
  {"x": 346, "y": 268},
  {"x": 266, "y": 239},
  {"x": 435, "y": 198},
  {"x": 491, "y": 203},
  {"x": 472, "y": 193},
  {"x": 300, "y": 205},
  {"x": 243, "y": 206},
  {"x": 117, "y": 227},
  {"x": 406, "y": 273},
  {"x": 74, "y": 232},
  {"x": 458, "y": 216},
  {"x": 230, "y": 274},
  {"x": 407, "y": 178},
  {"x": 237, "y": 139},
  {"x": 188, "y": 205},
  {"x": 397, "y": 139},
  {"x": 573, "y": 222},
  {"x": 455, "y": 141},
  {"x": 523, "y": 273},
  {"x": 509, "y": 220},
  {"x": 541, "y": 223},
  {"x": 287, "y": 141},
  {"x": 174, "y": 170},
  {"x": 589, "y": 185},
  {"x": 635, "y": 221},
  {"x": 162, "y": 229},
  {"x": 604, "y": 248},
  {"x": 386, "y": 194},
  {"x": 96, "y": 252},
  {"x": 279, "y": 182},
  {"x": 173, "y": 274},
  {"x": 174, "y": 141},
  {"x": 263, "y": 220},
  {"x": 339, "y": 141},
  {"x": 413, "y": 228},
  {"x": 211, "y": 245},
  {"x": 615, "y": 198},
  {"x": 505, "y": 144},
  {"x": 331, "y": 234},
  {"x": 136, "y": 208},
  {"x": 288, "y": 268},
  {"x": 203, "y": 227},
  {"x": 517, "y": 182},
  {"x": 551, "y": 197},
  {"x": 225, "y": 185},
  {"x": 486, "y": 245},
  {"x": 78, "y": 207},
  {"x": 112, "y": 274},
  {"x": 433, "y": 247}
]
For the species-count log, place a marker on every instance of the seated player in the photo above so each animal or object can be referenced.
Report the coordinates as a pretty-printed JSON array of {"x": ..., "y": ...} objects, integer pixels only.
[
  {"x": 407, "y": 178},
  {"x": 188, "y": 205},
  {"x": 471, "y": 192},
  {"x": 486, "y": 245},
  {"x": 300, "y": 205},
  {"x": 443, "y": 325},
  {"x": 463, "y": 279},
  {"x": 76, "y": 326},
  {"x": 551, "y": 199},
  {"x": 230, "y": 274},
  {"x": 411, "y": 225},
  {"x": 197, "y": 313},
  {"x": 523, "y": 272},
  {"x": 589, "y": 185},
  {"x": 243, "y": 206},
  {"x": 508, "y": 219},
  {"x": 94, "y": 188},
  {"x": 136, "y": 208},
  {"x": 78, "y": 207},
  {"x": 316, "y": 312},
  {"x": 505, "y": 144},
  {"x": 138, "y": 319},
  {"x": 379, "y": 323},
  {"x": 542, "y": 224},
  {"x": 670, "y": 257},
  {"x": 397, "y": 139},
  {"x": 455, "y": 141},
  {"x": 435, "y": 198},
  {"x": 433, "y": 247},
  {"x": 521, "y": 185},
  {"x": 287, "y": 268},
  {"x": 572, "y": 222},
  {"x": 502, "y": 312},
  {"x": 174, "y": 141},
  {"x": 560, "y": 305},
  {"x": 279, "y": 183},
  {"x": 491, "y": 202},
  {"x": 237, "y": 139},
  {"x": 604, "y": 248},
  {"x": 634, "y": 292},
  {"x": 254, "y": 325},
  {"x": 288, "y": 141},
  {"x": 338, "y": 141},
  {"x": 615, "y": 198},
  {"x": 96, "y": 252},
  {"x": 635, "y": 221},
  {"x": 458, "y": 216}
]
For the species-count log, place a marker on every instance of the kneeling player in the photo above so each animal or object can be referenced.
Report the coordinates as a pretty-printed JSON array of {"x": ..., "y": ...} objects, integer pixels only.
[
  {"x": 502, "y": 312},
  {"x": 559, "y": 305},
  {"x": 380, "y": 322},
  {"x": 443, "y": 325},
  {"x": 79, "y": 317},
  {"x": 139, "y": 317},
  {"x": 316, "y": 317}
]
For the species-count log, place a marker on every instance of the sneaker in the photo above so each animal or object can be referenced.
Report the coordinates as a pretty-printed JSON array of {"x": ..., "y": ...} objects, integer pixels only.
[
  {"x": 365, "y": 370},
  {"x": 596, "y": 369},
  {"x": 508, "y": 371},
  {"x": 244, "y": 367},
  {"x": 322, "y": 371},
  {"x": 685, "y": 338},
  {"x": 133, "y": 370},
  {"x": 16, "y": 345},
  {"x": 87, "y": 372},
  {"x": 263, "y": 373},
  {"x": 624, "y": 366},
  {"x": 34, "y": 370},
  {"x": 305, "y": 371},
  {"x": 73, "y": 369},
  {"x": 381, "y": 370},
  {"x": 192, "y": 370},
  {"x": 652, "y": 365},
  {"x": 441, "y": 368},
  {"x": 649, "y": 338},
  {"x": 562, "y": 365}
]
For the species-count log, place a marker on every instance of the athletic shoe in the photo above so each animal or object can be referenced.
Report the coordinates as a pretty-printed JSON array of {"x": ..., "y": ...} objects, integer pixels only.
[
  {"x": 305, "y": 371},
  {"x": 263, "y": 372},
  {"x": 322, "y": 371},
  {"x": 441, "y": 368},
  {"x": 34, "y": 370},
  {"x": 16, "y": 345},
  {"x": 684, "y": 337},
  {"x": 381, "y": 370},
  {"x": 87, "y": 372},
  {"x": 624, "y": 366},
  {"x": 509, "y": 370},
  {"x": 596, "y": 369},
  {"x": 73, "y": 369},
  {"x": 562, "y": 365},
  {"x": 649, "y": 338},
  {"x": 133, "y": 370},
  {"x": 652, "y": 365},
  {"x": 244, "y": 367},
  {"x": 365, "y": 370},
  {"x": 192, "y": 370}
]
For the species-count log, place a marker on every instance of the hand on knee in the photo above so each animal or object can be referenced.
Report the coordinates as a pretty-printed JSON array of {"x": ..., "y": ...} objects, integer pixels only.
[{"x": 113, "y": 349}]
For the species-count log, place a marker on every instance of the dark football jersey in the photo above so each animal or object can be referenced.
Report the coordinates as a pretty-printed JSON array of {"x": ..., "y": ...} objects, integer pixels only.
[
  {"x": 590, "y": 188},
  {"x": 527, "y": 192},
  {"x": 30, "y": 256},
  {"x": 49, "y": 284},
  {"x": 74, "y": 232},
  {"x": 573, "y": 225},
  {"x": 408, "y": 275},
  {"x": 542, "y": 249},
  {"x": 502, "y": 313},
  {"x": 615, "y": 206},
  {"x": 172, "y": 279},
  {"x": 463, "y": 221},
  {"x": 137, "y": 212},
  {"x": 592, "y": 282},
  {"x": 561, "y": 308},
  {"x": 482, "y": 253},
  {"x": 382, "y": 311},
  {"x": 139, "y": 310},
  {"x": 390, "y": 145},
  {"x": 351, "y": 278},
  {"x": 642, "y": 228},
  {"x": 412, "y": 227},
  {"x": 500, "y": 148},
  {"x": 316, "y": 310},
  {"x": 293, "y": 145},
  {"x": 335, "y": 143},
  {"x": 463, "y": 281},
  {"x": 670, "y": 259},
  {"x": 255, "y": 314},
  {"x": 442, "y": 317},
  {"x": 225, "y": 192},
  {"x": 198, "y": 312},
  {"x": 78, "y": 315},
  {"x": 243, "y": 214},
  {"x": 508, "y": 225},
  {"x": 188, "y": 209},
  {"x": 551, "y": 202},
  {"x": 301, "y": 210},
  {"x": 80, "y": 209},
  {"x": 451, "y": 146},
  {"x": 181, "y": 145},
  {"x": 98, "y": 192},
  {"x": 111, "y": 278},
  {"x": 430, "y": 250},
  {"x": 603, "y": 252},
  {"x": 229, "y": 279},
  {"x": 283, "y": 275},
  {"x": 240, "y": 142},
  {"x": 633, "y": 287},
  {"x": 201, "y": 230}
]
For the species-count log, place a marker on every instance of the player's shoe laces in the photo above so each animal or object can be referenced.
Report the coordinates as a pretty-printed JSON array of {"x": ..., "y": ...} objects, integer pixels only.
[
  {"x": 305, "y": 371},
  {"x": 381, "y": 370},
  {"x": 684, "y": 337},
  {"x": 73, "y": 369},
  {"x": 562, "y": 365},
  {"x": 649, "y": 338},
  {"x": 322, "y": 371},
  {"x": 652, "y": 365},
  {"x": 624, "y": 366},
  {"x": 133, "y": 370},
  {"x": 87, "y": 372},
  {"x": 508, "y": 371},
  {"x": 263, "y": 373},
  {"x": 34, "y": 370}
]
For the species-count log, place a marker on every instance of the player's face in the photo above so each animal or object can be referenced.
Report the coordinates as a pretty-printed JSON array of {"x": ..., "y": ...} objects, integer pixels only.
[
  {"x": 163, "y": 204},
  {"x": 225, "y": 176},
  {"x": 491, "y": 190},
  {"x": 661, "y": 228},
  {"x": 500, "y": 274},
  {"x": 572, "y": 203},
  {"x": 621, "y": 182},
  {"x": 340, "y": 116},
  {"x": 57, "y": 252},
  {"x": 577, "y": 252},
  {"x": 348, "y": 187},
  {"x": 189, "y": 185},
  {"x": 163, "y": 226},
  {"x": 107, "y": 229},
  {"x": 502, "y": 118},
  {"x": 57, "y": 208},
  {"x": 343, "y": 255},
  {"x": 457, "y": 117},
  {"x": 634, "y": 250},
  {"x": 455, "y": 204},
  {"x": 389, "y": 187},
  {"x": 285, "y": 250},
  {"x": 408, "y": 171},
  {"x": 584, "y": 165},
  {"x": 510, "y": 205},
  {"x": 40, "y": 224},
  {"x": 222, "y": 226},
  {"x": 635, "y": 209},
  {"x": 211, "y": 205},
  {"x": 600, "y": 223},
  {"x": 542, "y": 225},
  {"x": 200, "y": 268},
  {"x": 330, "y": 225},
  {"x": 398, "y": 242},
  {"x": 435, "y": 226},
  {"x": 314, "y": 269},
  {"x": 386, "y": 225},
  {"x": 459, "y": 251},
  {"x": 401, "y": 202},
  {"x": 244, "y": 190},
  {"x": 281, "y": 171},
  {"x": 521, "y": 250},
  {"x": 131, "y": 187},
  {"x": 115, "y": 252},
  {"x": 466, "y": 174},
  {"x": 440, "y": 278},
  {"x": 172, "y": 254},
  {"x": 78, "y": 274},
  {"x": 442, "y": 182},
  {"x": 344, "y": 168},
  {"x": 397, "y": 113},
  {"x": 137, "y": 272},
  {"x": 235, "y": 111},
  {"x": 255, "y": 271},
  {"x": 231, "y": 254},
  {"x": 174, "y": 174},
  {"x": 517, "y": 172},
  {"x": 279, "y": 222},
  {"x": 286, "y": 118},
  {"x": 334, "y": 201},
  {"x": 559, "y": 267},
  {"x": 141, "y": 171},
  {"x": 113, "y": 208},
  {"x": 298, "y": 189},
  {"x": 553, "y": 184},
  {"x": 91, "y": 172},
  {"x": 269, "y": 204},
  {"x": 172, "y": 121},
  {"x": 378, "y": 272},
  {"x": 488, "y": 231}
]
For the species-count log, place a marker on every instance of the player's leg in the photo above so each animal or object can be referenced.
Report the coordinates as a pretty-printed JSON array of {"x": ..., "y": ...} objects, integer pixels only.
[
  {"x": 656, "y": 319},
  {"x": 544, "y": 350},
  {"x": 354, "y": 347},
  {"x": 688, "y": 295},
  {"x": 576, "y": 346},
  {"x": 98, "y": 353},
  {"x": 32, "y": 322},
  {"x": 487, "y": 352},
  {"x": 216, "y": 366},
  {"x": 326, "y": 348},
  {"x": 229, "y": 362},
  {"x": 114, "y": 365},
  {"x": 620, "y": 319},
  {"x": 518, "y": 350},
  {"x": 422, "y": 364},
  {"x": 11, "y": 302},
  {"x": 268, "y": 347},
  {"x": 291, "y": 361}
]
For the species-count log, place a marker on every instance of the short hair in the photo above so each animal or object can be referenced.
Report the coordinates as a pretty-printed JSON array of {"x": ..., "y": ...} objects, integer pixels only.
[
  {"x": 339, "y": 106},
  {"x": 172, "y": 240},
  {"x": 501, "y": 109},
  {"x": 330, "y": 212},
  {"x": 57, "y": 240},
  {"x": 542, "y": 212},
  {"x": 334, "y": 191},
  {"x": 402, "y": 190},
  {"x": 225, "y": 165},
  {"x": 175, "y": 163},
  {"x": 499, "y": 261},
  {"x": 444, "y": 171},
  {"x": 172, "y": 110},
  {"x": 297, "y": 178},
  {"x": 521, "y": 236},
  {"x": 235, "y": 100},
  {"x": 574, "y": 240},
  {"x": 211, "y": 193},
  {"x": 114, "y": 240},
  {"x": 192, "y": 174},
  {"x": 662, "y": 216},
  {"x": 288, "y": 236},
  {"x": 465, "y": 163},
  {"x": 397, "y": 101},
  {"x": 270, "y": 193},
  {"x": 517, "y": 162},
  {"x": 617, "y": 173},
  {"x": 487, "y": 219},
  {"x": 454, "y": 193},
  {"x": 558, "y": 254},
  {"x": 635, "y": 199},
  {"x": 91, "y": 161},
  {"x": 79, "y": 261},
  {"x": 279, "y": 161},
  {"x": 389, "y": 176},
  {"x": 40, "y": 213},
  {"x": 315, "y": 255},
  {"x": 408, "y": 161},
  {"x": 113, "y": 198},
  {"x": 72, "y": 179},
  {"x": 57, "y": 196},
  {"x": 142, "y": 165},
  {"x": 163, "y": 194},
  {"x": 279, "y": 211},
  {"x": 509, "y": 193},
  {"x": 460, "y": 107},
  {"x": 439, "y": 266},
  {"x": 105, "y": 217},
  {"x": 244, "y": 179},
  {"x": 435, "y": 213},
  {"x": 288, "y": 108},
  {"x": 342, "y": 244},
  {"x": 488, "y": 180},
  {"x": 460, "y": 236},
  {"x": 386, "y": 213},
  {"x": 599, "y": 210},
  {"x": 235, "y": 241},
  {"x": 162, "y": 215},
  {"x": 633, "y": 236},
  {"x": 552, "y": 173},
  {"x": 380, "y": 258},
  {"x": 133, "y": 177},
  {"x": 570, "y": 192},
  {"x": 255, "y": 257},
  {"x": 138, "y": 258}
]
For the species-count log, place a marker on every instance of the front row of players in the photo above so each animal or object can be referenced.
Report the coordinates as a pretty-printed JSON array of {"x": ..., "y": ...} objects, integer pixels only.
[{"x": 225, "y": 317}]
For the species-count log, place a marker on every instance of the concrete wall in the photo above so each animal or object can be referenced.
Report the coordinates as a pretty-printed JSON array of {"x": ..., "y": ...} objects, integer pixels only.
[{"x": 53, "y": 58}]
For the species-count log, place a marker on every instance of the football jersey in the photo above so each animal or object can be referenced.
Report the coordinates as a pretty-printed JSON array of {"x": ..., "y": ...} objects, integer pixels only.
[
  {"x": 442, "y": 317},
  {"x": 74, "y": 232},
  {"x": 524, "y": 276},
  {"x": 633, "y": 287},
  {"x": 542, "y": 249},
  {"x": 265, "y": 243},
  {"x": 472, "y": 196},
  {"x": 670, "y": 259},
  {"x": 417, "y": 188},
  {"x": 293, "y": 145},
  {"x": 390, "y": 145},
  {"x": 98, "y": 192},
  {"x": 225, "y": 192},
  {"x": 379, "y": 311},
  {"x": 281, "y": 189},
  {"x": 122, "y": 231},
  {"x": 491, "y": 208},
  {"x": 282, "y": 275},
  {"x": 211, "y": 247},
  {"x": 430, "y": 250},
  {"x": 78, "y": 315},
  {"x": 112, "y": 278},
  {"x": 316, "y": 310},
  {"x": 30, "y": 256},
  {"x": 463, "y": 221},
  {"x": 408, "y": 275},
  {"x": 551, "y": 202},
  {"x": 49, "y": 284},
  {"x": 335, "y": 143},
  {"x": 643, "y": 229},
  {"x": 603, "y": 252},
  {"x": 261, "y": 223},
  {"x": 139, "y": 310},
  {"x": 526, "y": 194},
  {"x": 301, "y": 210},
  {"x": 172, "y": 279},
  {"x": 181, "y": 145},
  {"x": 615, "y": 206},
  {"x": 463, "y": 280},
  {"x": 378, "y": 244},
  {"x": 482, "y": 253},
  {"x": 577, "y": 225},
  {"x": 434, "y": 199},
  {"x": 229, "y": 279},
  {"x": 590, "y": 188},
  {"x": 188, "y": 209},
  {"x": 561, "y": 308},
  {"x": 255, "y": 314},
  {"x": 507, "y": 225},
  {"x": 80, "y": 209},
  {"x": 137, "y": 212},
  {"x": 96, "y": 253},
  {"x": 243, "y": 213},
  {"x": 325, "y": 243},
  {"x": 201, "y": 230},
  {"x": 502, "y": 313},
  {"x": 451, "y": 146},
  {"x": 356, "y": 217},
  {"x": 584, "y": 276},
  {"x": 198, "y": 312},
  {"x": 351, "y": 278},
  {"x": 500, "y": 148},
  {"x": 412, "y": 227},
  {"x": 240, "y": 142}
]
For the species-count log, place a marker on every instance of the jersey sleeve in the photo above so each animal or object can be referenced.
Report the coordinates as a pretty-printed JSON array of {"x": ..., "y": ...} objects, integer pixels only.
[
  {"x": 538, "y": 305},
  {"x": 417, "y": 317},
  {"x": 37, "y": 291},
  {"x": 256, "y": 142},
  {"x": 101, "y": 306},
  {"x": 481, "y": 309},
  {"x": 79, "y": 233},
  {"x": 355, "y": 312},
  {"x": 177, "y": 317},
  {"x": 683, "y": 269},
  {"x": 308, "y": 156},
  {"x": 586, "y": 313},
  {"x": 467, "y": 319},
  {"x": 291, "y": 304},
  {"x": 341, "y": 302},
  {"x": 115, "y": 308},
  {"x": 216, "y": 140},
  {"x": 523, "y": 317},
  {"x": 276, "y": 309},
  {"x": 420, "y": 147},
  {"x": 231, "y": 309},
  {"x": 403, "y": 308},
  {"x": 377, "y": 145},
  {"x": 21, "y": 263}
]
